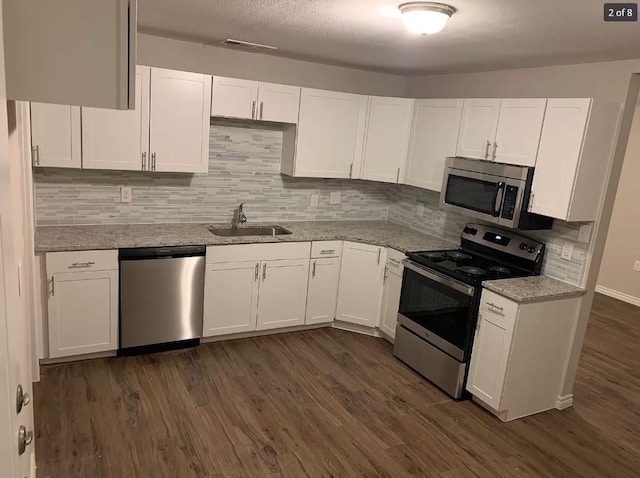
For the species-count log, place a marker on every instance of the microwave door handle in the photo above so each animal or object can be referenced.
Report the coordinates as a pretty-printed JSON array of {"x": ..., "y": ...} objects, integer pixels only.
[{"x": 497, "y": 204}]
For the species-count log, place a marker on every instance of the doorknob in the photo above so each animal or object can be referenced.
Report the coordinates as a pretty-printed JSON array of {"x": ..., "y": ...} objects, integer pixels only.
[
  {"x": 24, "y": 439},
  {"x": 22, "y": 399}
]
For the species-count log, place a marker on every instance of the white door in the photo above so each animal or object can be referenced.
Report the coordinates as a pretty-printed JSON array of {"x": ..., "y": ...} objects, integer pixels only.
[
  {"x": 360, "y": 290},
  {"x": 279, "y": 103},
  {"x": 391, "y": 298},
  {"x": 563, "y": 132},
  {"x": 230, "y": 298},
  {"x": 489, "y": 358},
  {"x": 330, "y": 134},
  {"x": 234, "y": 98},
  {"x": 387, "y": 138},
  {"x": 179, "y": 121},
  {"x": 283, "y": 293},
  {"x": 519, "y": 128},
  {"x": 55, "y": 135},
  {"x": 435, "y": 128},
  {"x": 83, "y": 313},
  {"x": 113, "y": 139},
  {"x": 322, "y": 295},
  {"x": 478, "y": 128}
]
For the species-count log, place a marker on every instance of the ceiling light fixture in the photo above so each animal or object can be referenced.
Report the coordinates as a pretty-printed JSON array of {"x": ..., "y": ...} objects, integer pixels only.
[{"x": 425, "y": 18}]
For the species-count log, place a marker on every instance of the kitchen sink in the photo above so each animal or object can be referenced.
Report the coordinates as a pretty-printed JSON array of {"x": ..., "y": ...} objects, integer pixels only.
[{"x": 249, "y": 231}]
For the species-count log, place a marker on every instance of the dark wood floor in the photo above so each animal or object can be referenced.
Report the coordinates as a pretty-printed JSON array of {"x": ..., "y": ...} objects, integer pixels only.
[{"x": 329, "y": 403}]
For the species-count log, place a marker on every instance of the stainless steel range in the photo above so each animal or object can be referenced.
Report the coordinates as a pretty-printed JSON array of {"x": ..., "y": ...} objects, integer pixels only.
[{"x": 441, "y": 294}]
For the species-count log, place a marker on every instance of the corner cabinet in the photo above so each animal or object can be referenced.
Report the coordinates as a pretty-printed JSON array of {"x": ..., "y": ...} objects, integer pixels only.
[
  {"x": 56, "y": 136},
  {"x": 82, "y": 302},
  {"x": 393, "y": 272},
  {"x": 360, "y": 291}
]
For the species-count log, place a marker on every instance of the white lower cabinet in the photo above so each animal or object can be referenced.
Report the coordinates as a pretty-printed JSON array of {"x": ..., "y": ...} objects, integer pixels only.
[
  {"x": 82, "y": 302},
  {"x": 391, "y": 293},
  {"x": 360, "y": 290},
  {"x": 322, "y": 294}
]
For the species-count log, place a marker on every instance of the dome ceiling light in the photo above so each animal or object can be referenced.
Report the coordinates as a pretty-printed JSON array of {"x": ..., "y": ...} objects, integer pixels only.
[{"x": 425, "y": 18}]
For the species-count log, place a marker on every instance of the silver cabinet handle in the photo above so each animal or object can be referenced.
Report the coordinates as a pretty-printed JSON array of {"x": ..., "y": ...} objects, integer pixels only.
[
  {"x": 53, "y": 286},
  {"x": 379, "y": 254},
  {"x": 530, "y": 205},
  {"x": 257, "y": 270},
  {"x": 384, "y": 277},
  {"x": 80, "y": 265},
  {"x": 495, "y": 146},
  {"x": 144, "y": 160},
  {"x": 398, "y": 176},
  {"x": 22, "y": 399},
  {"x": 24, "y": 439},
  {"x": 35, "y": 152},
  {"x": 313, "y": 271},
  {"x": 153, "y": 161},
  {"x": 478, "y": 324},
  {"x": 394, "y": 261},
  {"x": 491, "y": 304},
  {"x": 351, "y": 170},
  {"x": 261, "y": 108},
  {"x": 328, "y": 251},
  {"x": 253, "y": 109},
  {"x": 264, "y": 271},
  {"x": 486, "y": 150}
]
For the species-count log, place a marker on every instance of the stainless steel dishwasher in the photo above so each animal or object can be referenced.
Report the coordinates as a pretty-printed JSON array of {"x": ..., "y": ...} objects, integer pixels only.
[{"x": 161, "y": 298}]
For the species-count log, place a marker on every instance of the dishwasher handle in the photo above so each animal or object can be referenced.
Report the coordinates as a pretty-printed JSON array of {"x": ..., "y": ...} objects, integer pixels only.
[{"x": 142, "y": 253}]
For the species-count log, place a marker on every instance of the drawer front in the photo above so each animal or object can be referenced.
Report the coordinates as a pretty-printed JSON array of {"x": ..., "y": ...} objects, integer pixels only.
[
  {"x": 394, "y": 260},
  {"x": 258, "y": 252},
  {"x": 81, "y": 261},
  {"x": 498, "y": 305},
  {"x": 326, "y": 249}
]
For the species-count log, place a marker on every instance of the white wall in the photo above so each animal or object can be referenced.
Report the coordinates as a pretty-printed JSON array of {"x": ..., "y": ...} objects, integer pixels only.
[
  {"x": 617, "y": 277},
  {"x": 181, "y": 55}
]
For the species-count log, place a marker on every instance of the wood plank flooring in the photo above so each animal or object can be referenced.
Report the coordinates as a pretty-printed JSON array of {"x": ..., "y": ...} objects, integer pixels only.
[{"x": 329, "y": 403}]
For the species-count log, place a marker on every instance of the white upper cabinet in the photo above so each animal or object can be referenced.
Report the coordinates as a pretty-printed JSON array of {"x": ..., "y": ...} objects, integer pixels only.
[
  {"x": 519, "y": 129},
  {"x": 434, "y": 135},
  {"x": 71, "y": 52},
  {"x": 278, "y": 103},
  {"x": 118, "y": 139},
  {"x": 387, "y": 137},
  {"x": 330, "y": 135},
  {"x": 478, "y": 128},
  {"x": 56, "y": 135},
  {"x": 179, "y": 121},
  {"x": 559, "y": 160},
  {"x": 234, "y": 98}
]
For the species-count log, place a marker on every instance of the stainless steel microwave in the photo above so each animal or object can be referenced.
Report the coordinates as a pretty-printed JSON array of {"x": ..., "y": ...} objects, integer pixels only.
[{"x": 494, "y": 192}]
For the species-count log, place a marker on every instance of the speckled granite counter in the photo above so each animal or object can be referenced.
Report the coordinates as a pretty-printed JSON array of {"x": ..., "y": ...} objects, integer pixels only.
[
  {"x": 533, "y": 289},
  {"x": 79, "y": 238}
]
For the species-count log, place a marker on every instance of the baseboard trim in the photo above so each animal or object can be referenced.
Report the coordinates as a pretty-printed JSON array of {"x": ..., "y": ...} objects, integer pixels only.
[
  {"x": 618, "y": 295},
  {"x": 358, "y": 329},
  {"x": 564, "y": 401},
  {"x": 260, "y": 333},
  {"x": 78, "y": 358}
]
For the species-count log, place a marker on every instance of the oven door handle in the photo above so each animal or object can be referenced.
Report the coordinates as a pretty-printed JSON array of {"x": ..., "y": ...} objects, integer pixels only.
[
  {"x": 497, "y": 204},
  {"x": 454, "y": 284}
]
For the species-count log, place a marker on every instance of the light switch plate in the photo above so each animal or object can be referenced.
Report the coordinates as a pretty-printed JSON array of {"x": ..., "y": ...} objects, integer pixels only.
[
  {"x": 584, "y": 233},
  {"x": 335, "y": 197},
  {"x": 567, "y": 251},
  {"x": 314, "y": 200},
  {"x": 125, "y": 194},
  {"x": 420, "y": 209}
]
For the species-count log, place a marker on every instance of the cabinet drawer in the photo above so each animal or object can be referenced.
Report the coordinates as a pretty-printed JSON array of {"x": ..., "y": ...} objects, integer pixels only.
[
  {"x": 394, "y": 260},
  {"x": 58, "y": 262},
  {"x": 258, "y": 252},
  {"x": 326, "y": 249},
  {"x": 498, "y": 305}
]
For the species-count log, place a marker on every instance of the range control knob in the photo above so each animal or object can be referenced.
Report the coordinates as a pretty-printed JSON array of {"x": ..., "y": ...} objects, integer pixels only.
[
  {"x": 531, "y": 250},
  {"x": 523, "y": 246}
]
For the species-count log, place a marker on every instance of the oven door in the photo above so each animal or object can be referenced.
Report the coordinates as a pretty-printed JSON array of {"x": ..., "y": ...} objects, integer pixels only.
[
  {"x": 439, "y": 309},
  {"x": 478, "y": 194}
]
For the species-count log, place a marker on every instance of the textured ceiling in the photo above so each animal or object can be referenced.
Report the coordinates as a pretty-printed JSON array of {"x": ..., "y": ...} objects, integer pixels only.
[{"x": 482, "y": 35}]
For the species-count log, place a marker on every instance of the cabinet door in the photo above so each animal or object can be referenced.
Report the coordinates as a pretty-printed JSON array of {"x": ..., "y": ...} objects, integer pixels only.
[
  {"x": 279, "y": 103},
  {"x": 55, "y": 135},
  {"x": 114, "y": 139},
  {"x": 179, "y": 121},
  {"x": 490, "y": 356},
  {"x": 478, "y": 128},
  {"x": 561, "y": 142},
  {"x": 83, "y": 313},
  {"x": 519, "y": 128},
  {"x": 436, "y": 124},
  {"x": 234, "y": 98},
  {"x": 322, "y": 295},
  {"x": 330, "y": 134},
  {"x": 283, "y": 293},
  {"x": 230, "y": 298},
  {"x": 391, "y": 299},
  {"x": 360, "y": 290},
  {"x": 387, "y": 138}
]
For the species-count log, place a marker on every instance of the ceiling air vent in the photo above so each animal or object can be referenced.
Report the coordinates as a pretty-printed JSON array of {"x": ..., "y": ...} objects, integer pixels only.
[{"x": 245, "y": 45}]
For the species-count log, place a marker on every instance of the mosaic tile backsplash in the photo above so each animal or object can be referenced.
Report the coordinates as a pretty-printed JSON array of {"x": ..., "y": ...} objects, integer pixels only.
[{"x": 244, "y": 166}]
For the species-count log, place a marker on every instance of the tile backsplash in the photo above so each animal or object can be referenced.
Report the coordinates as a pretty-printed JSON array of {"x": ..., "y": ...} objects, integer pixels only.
[{"x": 244, "y": 166}]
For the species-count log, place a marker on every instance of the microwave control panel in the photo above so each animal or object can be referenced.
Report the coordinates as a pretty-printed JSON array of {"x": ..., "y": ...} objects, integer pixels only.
[{"x": 509, "y": 203}]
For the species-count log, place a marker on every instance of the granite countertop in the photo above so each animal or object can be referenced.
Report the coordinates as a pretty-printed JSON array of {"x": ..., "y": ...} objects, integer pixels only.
[
  {"x": 380, "y": 233},
  {"x": 526, "y": 290}
]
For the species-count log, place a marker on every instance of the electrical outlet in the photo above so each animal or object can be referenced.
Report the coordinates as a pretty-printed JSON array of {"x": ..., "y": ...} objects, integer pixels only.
[
  {"x": 636, "y": 266},
  {"x": 585, "y": 233},
  {"x": 314, "y": 200},
  {"x": 567, "y": 251},
  {"x": 125, "y": 194},
  {"x": 420, "y": 210},
  {"x": 335, "y": 197}
]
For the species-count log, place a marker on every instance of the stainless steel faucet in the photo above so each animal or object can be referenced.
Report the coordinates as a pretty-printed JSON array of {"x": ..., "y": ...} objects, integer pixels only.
[{"x": 239, "y": 216}]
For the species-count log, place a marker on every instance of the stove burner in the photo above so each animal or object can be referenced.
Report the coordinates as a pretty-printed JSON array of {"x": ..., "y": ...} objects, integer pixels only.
[
  {"x": 433, "y": 256},
  {"x": 500, "y": 270},
  {"x": 458, "y": 256},
  {"x": 472, "y": 271}
]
